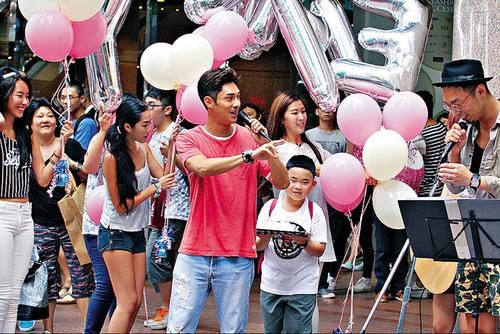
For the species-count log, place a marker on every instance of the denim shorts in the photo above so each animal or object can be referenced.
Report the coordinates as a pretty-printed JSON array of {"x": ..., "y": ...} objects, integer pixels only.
[{"x": 133, "y": 242}]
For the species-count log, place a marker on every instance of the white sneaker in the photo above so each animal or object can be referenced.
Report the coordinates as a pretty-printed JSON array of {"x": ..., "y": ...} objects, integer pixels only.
[
  {"x": 358, "y": 267},
  {"x": 159, "y": 321},
  {"x": 362, "y": 285},
  {"x": 325, "y": 293},
  {"x": 347, "y": 265}
]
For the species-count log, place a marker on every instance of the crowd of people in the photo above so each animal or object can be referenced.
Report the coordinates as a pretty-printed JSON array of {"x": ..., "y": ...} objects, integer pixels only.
[{"x": 191, "y": 209}]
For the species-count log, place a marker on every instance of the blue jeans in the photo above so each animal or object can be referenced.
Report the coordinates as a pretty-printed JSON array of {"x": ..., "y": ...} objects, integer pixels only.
[
  {"x": 194, "y": 278},
  {"x": 103, "y": 299}
]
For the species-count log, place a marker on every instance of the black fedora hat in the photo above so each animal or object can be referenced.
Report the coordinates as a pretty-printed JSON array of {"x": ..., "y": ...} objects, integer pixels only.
[{"x": 462, "y": 72}]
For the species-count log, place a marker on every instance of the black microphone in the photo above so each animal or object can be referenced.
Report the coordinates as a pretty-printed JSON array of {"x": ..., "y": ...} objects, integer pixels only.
[
  {"x": 463, "y": 125},
  {"x": 451, "y": 144},
  {"x": 247, "y": 120}
]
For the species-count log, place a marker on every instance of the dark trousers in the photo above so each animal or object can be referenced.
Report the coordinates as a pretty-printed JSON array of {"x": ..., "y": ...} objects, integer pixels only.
[
  {"x": 388, "y": 245},
  {"x": 103, "y": 300},
  {"x": 340, "y": 229}
]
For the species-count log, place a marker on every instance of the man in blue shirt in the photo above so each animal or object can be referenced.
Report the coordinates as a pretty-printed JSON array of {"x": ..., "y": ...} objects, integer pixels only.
[{"x": 84, "y": 126}]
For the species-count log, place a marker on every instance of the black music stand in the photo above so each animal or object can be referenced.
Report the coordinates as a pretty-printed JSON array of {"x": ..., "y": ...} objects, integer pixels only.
[{"x": 454, "y": 230}]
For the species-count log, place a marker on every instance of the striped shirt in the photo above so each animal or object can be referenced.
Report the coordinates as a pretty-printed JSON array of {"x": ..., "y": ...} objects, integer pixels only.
[
  {"x": 434, "y": 143},
  {"x": 13, "y": 183}
]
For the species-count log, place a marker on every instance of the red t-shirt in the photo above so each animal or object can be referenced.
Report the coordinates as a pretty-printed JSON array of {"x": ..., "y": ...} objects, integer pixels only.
[{"x": 223, "y": 213}]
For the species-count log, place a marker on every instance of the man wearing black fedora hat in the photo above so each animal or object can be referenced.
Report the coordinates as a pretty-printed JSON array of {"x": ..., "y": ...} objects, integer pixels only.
[{"x": 474, "y": 166}]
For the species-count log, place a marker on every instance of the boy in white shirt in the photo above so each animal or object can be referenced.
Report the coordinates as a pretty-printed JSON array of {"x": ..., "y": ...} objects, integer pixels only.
[{"x": 290, "y": 271}]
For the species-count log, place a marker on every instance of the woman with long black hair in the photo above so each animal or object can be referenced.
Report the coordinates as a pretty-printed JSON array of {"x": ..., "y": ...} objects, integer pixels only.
[
  {"x": 19, "y": 155},
  {"x": 128, "y": 167}
]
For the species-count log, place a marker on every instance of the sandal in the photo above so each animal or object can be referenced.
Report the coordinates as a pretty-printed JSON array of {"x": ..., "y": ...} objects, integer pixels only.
[
  {"x": 64, "y": 291},
  {"x": 66, "y": 298}
]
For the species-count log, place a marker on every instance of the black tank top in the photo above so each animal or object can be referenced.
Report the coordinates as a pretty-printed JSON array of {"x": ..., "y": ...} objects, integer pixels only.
[{"x": 477, "y": 156}]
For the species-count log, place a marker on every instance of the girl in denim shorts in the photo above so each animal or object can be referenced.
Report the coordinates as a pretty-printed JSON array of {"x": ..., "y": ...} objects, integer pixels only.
[{"x": 128, "y": 167}]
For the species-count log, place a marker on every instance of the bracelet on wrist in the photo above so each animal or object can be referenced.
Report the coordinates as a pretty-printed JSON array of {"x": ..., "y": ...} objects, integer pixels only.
[
  {"x": 52, "y": 161},
  {"x": 156, "y": 183}
]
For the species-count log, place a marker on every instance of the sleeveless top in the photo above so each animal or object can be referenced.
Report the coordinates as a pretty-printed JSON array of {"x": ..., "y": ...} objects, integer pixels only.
[
  {"x": 14, "y": 183},
  {"x": 139, "y": 217}
]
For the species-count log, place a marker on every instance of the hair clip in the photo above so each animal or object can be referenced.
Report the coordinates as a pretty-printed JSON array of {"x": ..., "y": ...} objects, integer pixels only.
[
  {"x": 10, "y": 74},
  {"x": 118, "y": 129}
]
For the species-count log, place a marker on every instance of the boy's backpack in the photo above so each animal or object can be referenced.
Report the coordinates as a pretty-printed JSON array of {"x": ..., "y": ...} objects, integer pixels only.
[{"x": 275, "y": 201}]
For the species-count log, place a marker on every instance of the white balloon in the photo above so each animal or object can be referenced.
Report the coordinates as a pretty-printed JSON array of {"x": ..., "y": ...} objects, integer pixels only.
[
  {"x": 385, "y": 202},
  {"x": 385, "y": 154},
  {"x": 79, "y": 10},
  {"x": 191, "y": 56},
  {"x": 30, "y": 7},
  {"x": 155, "y": 66}
]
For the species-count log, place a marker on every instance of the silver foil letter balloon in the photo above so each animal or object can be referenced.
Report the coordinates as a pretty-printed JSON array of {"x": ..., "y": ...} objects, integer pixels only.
[
  {"x": 402, "y": 46},
  {"x": 103, "y": 70},
  {"x": 307, "y": 53},
  {"x": 263, "y": 28}
]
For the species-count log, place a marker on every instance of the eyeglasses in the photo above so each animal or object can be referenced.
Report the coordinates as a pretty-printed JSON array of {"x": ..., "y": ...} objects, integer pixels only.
[
  {"x": 64, "y": 97},
  {"x": 457, "y": 107},
  {"x": 152, "y": 106}
]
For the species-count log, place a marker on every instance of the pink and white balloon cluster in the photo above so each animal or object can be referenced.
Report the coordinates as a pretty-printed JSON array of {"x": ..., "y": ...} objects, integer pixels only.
[
  {"x": 181, "y": 64},
  {"x": 58, "y": 28},
  {"x": 385, "y": 153}
]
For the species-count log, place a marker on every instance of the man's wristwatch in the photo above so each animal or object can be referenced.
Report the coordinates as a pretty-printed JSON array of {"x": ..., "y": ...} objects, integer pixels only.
[
  {"x": 475, "y": 181},
  {"x": 155, "y": 182},
  {"x": 246, "y": 155}
]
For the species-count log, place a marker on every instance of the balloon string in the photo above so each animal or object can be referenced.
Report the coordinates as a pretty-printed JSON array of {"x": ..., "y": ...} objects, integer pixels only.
[
  {"x": 356, "y": 231},
  {"x": 171, "y": 168}
]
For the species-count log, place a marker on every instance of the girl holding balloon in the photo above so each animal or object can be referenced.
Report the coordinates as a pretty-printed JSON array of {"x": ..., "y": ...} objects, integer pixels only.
[
  {"x": 131, "y": 177},
  {"x": 102, "y": 300}
]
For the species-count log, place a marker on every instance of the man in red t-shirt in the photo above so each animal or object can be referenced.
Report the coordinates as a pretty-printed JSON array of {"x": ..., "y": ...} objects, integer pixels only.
[{"x": 223, "y": 160}]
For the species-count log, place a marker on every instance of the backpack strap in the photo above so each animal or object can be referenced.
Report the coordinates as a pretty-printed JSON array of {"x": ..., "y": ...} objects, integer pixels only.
[
  {"x": 79, "y": 120},
  {"x": 310, "y": 205},
  {"x": 273, "y": 205}
]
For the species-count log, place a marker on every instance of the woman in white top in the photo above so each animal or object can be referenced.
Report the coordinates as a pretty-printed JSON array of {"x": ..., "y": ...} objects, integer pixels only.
[
  {"x": 287, "y": 120},
  {"x": 128, "y": 167}
]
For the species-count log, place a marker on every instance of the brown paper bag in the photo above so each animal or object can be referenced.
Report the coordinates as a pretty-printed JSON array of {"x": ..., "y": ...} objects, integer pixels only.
[{"x": 71, "y": 207}]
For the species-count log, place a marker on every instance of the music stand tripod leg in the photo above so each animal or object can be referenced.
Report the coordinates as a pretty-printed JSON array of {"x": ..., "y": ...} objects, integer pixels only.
[
  {"x": 406, "y": 296},
  {"x": 386, "y": 284}
]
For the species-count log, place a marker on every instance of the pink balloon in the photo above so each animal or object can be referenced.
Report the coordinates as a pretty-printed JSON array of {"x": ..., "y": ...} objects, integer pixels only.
[
  {"x": 88, "y": 35},
  {"x": 192, "y": 108},
  {"x": 345, "y": 207},
  {"x": 49, "y": 35},
  {"x": 95, "y": 203},
  {"x": 342, "y": 178},
  {"x": 359, "y": 117},
  {"x": 405, "y": 113},
  {"x": 178, "y": 97},
  {"x": 217, "y": 63},
  {"x": 227, "y": 33}
]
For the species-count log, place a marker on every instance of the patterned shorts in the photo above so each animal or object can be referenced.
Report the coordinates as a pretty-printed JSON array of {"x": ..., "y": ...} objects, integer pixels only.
[{"x": 478, "y": 290}]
